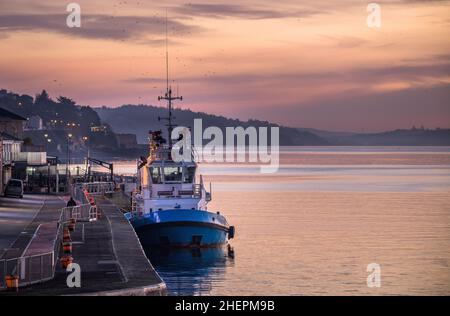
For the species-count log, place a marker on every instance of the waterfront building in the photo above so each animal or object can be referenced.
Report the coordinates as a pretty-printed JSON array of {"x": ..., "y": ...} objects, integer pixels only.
[{"x": 34, "y": 123}]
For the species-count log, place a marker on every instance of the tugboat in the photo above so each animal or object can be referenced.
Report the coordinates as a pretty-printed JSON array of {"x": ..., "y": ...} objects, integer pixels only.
[{"x": 169, "y": 207}]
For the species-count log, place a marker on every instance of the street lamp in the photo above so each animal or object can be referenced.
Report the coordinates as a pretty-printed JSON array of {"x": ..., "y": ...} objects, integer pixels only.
[
  {"x": 86, "y": 142},
  {"x": 69, "y": 136},
  {"x": 46, "y": 138},
  {"x": 48, "y": 178},
  {"x": 87, "y": 170},
  {"x": 49, "y": 140}
]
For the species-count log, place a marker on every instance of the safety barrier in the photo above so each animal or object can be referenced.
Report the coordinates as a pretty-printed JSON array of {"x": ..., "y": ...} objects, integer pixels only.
[
  {"x": 31, "y": 269},
  {"x": 84, "y": 212},
  {"x": 80, "y": 191},
  {"x": 2, "y": 274},
  {"x": 97, "y": 188},
  {"x": 26, "y": 270}
]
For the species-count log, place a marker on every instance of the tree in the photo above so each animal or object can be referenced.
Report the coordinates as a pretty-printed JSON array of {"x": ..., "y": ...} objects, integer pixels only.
[
  {"x": 66, "y": 101},
  {"x": 42, "y": 98}
]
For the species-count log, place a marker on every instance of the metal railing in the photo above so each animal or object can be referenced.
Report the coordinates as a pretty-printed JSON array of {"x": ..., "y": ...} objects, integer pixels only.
[
  {"x": 83, "y": 212},
  {"x": 2, "y": 274},
  {"x": 96, "y": 188},
  {"x": 197, "y": 190},
  {"x": 41, "y": 267},
  {"x": 30, "y": 269}
]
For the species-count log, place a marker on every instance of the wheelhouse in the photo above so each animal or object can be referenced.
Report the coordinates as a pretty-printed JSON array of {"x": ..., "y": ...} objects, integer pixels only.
[{"x": 172, "y": 173}]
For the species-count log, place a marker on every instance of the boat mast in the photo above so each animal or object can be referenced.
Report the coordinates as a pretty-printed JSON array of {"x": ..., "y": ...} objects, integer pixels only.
[{"x": 168, "y": 95}]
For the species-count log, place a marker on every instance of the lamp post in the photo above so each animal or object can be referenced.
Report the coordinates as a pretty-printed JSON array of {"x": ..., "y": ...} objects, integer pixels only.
[
  {"x": 48, "y": 165},
  {"x": 46, "y": 140},
  {"x": 86, "y": 143},
  {"x": 48, "y": 177},
  {"x": 86, "y": 166},
  {"x": 49, "y": 140},
  {"x": 69, "y": 136}
]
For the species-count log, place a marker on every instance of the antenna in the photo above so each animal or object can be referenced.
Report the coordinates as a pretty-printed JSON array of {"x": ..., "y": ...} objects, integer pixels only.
[
  {"x": 167, "y": 58},
  {"x": 168, "y": 94}
]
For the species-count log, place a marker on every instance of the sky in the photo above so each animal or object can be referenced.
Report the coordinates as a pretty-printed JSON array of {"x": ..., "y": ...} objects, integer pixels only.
[{"x": 306, "y": 63}]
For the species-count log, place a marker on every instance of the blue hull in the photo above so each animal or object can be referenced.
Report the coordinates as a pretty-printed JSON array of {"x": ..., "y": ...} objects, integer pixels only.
[{"x": 181, "y": 228}]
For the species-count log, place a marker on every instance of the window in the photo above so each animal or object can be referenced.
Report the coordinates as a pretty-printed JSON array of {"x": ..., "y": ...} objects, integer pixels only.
[
  {"x": 189, "y": 175},
  {"x": 14, "y": 183},
  {"x": 172, "y": 174},
  {"x": 156, "y": 175}
]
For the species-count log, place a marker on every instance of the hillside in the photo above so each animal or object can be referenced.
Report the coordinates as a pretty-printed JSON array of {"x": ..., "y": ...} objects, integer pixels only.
[
  {"x": 63, "y": 115},
  {"x": 399, "y": 137},
  {"x": 59, "y": 118},
  {"x": 139, "y": 119}
]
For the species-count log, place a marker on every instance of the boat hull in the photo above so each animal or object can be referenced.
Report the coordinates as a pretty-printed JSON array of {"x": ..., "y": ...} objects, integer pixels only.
[{"x": 181, "y": 228}]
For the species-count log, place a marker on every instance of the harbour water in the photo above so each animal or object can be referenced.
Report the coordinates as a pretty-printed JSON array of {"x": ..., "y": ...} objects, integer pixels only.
[{"x": 313, "y": 227}]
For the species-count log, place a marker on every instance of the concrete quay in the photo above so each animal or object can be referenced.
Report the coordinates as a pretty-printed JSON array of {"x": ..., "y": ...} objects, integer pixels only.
[{"x": 110, "y": 256}]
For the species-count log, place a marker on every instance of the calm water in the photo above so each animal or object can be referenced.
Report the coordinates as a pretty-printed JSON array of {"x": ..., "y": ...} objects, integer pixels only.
[{"x": 312, "y": 228}]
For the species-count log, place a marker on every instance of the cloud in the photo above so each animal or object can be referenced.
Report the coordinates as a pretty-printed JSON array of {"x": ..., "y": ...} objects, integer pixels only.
[
  {"x": 359, "y": 75},
  {"x": 346, "y": 41},
  {"x": 357, "y": 111},
  {"x": 238, "y": 11},
  {"x": 95, "y": 26},
  {"x": 358, "y": 98}
]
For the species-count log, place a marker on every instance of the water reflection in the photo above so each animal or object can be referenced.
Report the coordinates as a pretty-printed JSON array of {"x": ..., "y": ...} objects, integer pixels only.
[{"x": 191, "y": 271}]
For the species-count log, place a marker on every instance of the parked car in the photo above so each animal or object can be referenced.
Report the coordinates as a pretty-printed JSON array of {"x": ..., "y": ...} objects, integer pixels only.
[{"x": 14, "y": 187}]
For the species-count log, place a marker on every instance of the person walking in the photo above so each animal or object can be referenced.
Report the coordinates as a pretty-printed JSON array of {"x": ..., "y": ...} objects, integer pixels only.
[{"x": 71, "y": 202}]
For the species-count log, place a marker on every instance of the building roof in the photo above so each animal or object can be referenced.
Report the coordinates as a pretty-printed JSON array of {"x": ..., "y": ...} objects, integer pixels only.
[
  {"x": 6, "y": 136},
  {"x": 11, "y": 115}
]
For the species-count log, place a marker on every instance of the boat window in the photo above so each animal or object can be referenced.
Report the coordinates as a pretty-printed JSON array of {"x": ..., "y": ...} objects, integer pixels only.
[
  {"x": 172, "y": 174},
  {"x": 156, "y": 175},
  {"x": 189, "y": 175}
]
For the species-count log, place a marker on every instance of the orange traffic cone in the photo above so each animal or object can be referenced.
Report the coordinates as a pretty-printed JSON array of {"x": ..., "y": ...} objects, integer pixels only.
[
  {"x": 66, "y": 235},
  {"x": 66, "y": 260},
  {"x": 71, "y": 224},
  {"x": 12, "y": 282},
  {"x": 67, "y": 247}
]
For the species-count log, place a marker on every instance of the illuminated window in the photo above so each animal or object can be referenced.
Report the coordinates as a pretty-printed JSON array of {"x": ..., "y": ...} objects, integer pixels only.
[
  {"x": 156, "y": 175},
  {"x": 172, "y": 174}
]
